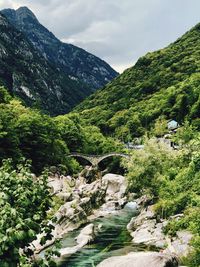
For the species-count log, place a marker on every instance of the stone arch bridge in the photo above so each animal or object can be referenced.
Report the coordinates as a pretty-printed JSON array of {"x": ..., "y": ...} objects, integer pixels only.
[{"x": 96, "y": 159}]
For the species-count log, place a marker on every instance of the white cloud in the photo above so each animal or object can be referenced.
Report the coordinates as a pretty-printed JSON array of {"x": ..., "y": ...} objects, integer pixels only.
[{"x": 115, "y": 30}]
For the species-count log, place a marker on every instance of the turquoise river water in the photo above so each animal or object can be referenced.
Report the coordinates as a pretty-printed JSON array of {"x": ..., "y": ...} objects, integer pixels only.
[{"x": 113, "y": 239}]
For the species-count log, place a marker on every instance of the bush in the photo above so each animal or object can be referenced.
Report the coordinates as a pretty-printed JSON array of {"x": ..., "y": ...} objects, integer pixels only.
[{"x": 24, "y": 202}]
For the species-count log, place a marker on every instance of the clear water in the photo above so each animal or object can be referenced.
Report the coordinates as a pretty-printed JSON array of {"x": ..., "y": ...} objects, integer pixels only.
[{"x": 112, "y": 240}]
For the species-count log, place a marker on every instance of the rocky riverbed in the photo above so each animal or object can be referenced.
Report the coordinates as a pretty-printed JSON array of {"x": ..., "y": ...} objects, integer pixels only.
[
  {"x": 83, "y": 201},
  {"x": 148, "y": 229},
  {"x": 91, "y": 196}
]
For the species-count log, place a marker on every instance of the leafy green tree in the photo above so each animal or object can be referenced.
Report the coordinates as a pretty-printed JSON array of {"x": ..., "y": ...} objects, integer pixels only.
[
  {"x": 71, "y": 131},
  {"x": 4, "y": 95},
  {"x": 147, "y": 167},
  {"x": 160, "y": 127},
  {"x": 24, "y": 201}
]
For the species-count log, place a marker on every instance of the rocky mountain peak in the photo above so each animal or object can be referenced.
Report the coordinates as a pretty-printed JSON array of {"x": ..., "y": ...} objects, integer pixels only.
[
  {"x": 25, "y": 12},
  {"x": 74, "y": 61},
  {"x": 20, "y": 17}
]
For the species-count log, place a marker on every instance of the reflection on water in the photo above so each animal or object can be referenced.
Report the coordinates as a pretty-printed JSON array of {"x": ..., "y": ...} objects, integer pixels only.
[{"x": 112, "y": 240}]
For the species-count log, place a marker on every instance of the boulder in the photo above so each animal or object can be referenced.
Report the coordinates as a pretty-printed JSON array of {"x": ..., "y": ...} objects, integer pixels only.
[
  {"x": 56, "y": 184},
  {"x": 141, "y": 259},
  {"x": 145, "y": 214},
  {"x": 86, "y": 235},
  {"x": 148, "y": 230},
  {"x": 180, "y": 244},
  {"x": 116, "y": 186},
  {"x": 132, "y": 205},
  {"x": 149, "y": 233},
  {"x": 67, "y": 252},
  {"x": 145, "y": 229}
]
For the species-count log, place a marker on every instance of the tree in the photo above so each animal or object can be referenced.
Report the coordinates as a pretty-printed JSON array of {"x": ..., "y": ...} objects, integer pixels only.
[{"x": 24, "y": 202}]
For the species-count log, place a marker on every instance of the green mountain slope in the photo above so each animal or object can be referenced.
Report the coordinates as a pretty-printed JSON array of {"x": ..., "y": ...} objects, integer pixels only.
[{"x": 163, "y": 83}]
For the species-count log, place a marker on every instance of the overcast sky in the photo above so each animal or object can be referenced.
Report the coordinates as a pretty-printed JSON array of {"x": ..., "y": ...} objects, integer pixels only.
[{"x": 118, "y": 31}]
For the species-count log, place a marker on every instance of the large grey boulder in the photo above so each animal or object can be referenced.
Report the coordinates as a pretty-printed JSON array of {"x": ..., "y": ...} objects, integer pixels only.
[
  {"x": 180, "y": 244},
  {"x": 86, "y": 235},
  {"x": 141, "y": 259},
  {"x": 116, "y": 186},
  {"x": 145, "y": 229},
  {"x": 149, "y": 233}
]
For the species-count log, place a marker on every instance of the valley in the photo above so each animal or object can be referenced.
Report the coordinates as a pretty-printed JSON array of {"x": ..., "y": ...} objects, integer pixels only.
[{"x": 97, "y": 169}]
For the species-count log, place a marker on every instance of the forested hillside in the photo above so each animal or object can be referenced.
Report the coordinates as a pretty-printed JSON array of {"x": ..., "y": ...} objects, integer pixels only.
[
  {"x": 28, "y": 133},
  {"x": 165, "y": 83}
]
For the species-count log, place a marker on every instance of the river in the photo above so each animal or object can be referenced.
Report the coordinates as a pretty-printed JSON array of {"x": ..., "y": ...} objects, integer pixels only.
[{"x": 113, "y": 239}]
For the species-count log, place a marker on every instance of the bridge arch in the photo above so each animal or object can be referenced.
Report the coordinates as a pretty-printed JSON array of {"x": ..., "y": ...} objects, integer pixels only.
[
  {"x": 82, "y": 156},
  {"x": 96, "y": 159}
]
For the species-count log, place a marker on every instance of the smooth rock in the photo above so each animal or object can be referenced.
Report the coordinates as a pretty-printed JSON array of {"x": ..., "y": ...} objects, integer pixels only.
[
  {"x": 86, "y": 235},
  {"x": 146, "y": 230},
  {"x": 116, "y": 186},
  {"x": 145, "y": 214},
  {"x": 131, "y": 206},
  {"x": 67, "y": 252},
  {"x": 149, "y": 233},
  {"x": 141, "y": 259}
]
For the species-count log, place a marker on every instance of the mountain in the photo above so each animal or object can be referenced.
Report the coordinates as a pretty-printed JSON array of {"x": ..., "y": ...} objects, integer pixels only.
[
  {"x": 162, "y": 85},
  {"x": 29, "y": 76},
  {"x": 73, "y": 60}
]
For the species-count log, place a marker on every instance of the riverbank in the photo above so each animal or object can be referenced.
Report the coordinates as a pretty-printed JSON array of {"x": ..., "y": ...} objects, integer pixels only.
[
  {"x": 91, "y": 210},
  {"x": 83, "y": 201},
  {"x": 147, "y": 228}
]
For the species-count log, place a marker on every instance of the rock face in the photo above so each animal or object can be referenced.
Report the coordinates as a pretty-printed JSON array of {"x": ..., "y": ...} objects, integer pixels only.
[
  {"x": 114, "y": 195},
  {"x": 86, "y": 235},
  {"x": 31, "y": 77},
  {"x": 180, "y": 244},
  {"x": 116, "y": 186},
  {"x": 74, "y": 61},
  {"x": 141, "y": 259},
  {"x": 148, "y": 230}
]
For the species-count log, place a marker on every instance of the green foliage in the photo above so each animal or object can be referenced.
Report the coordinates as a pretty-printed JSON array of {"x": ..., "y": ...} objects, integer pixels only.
[
  {"x": 160, "y": 127},
  {"x": 71, "y": 131},
  {"x": 147, "y": 166},
  {"x": 163, "y": 83},
  {"x": 29, "y": 134},
  {"x": 46, "y": 141},
  {"x": 24, "y": 202},
  {"x": 172, "y": 178},
  {"x": 97, "y": 143},
  {"x": 4, "y": 95}
]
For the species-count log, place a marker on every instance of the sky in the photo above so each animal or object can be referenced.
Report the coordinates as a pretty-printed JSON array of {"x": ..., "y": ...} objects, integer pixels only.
[{"x": 118, "y": 31}]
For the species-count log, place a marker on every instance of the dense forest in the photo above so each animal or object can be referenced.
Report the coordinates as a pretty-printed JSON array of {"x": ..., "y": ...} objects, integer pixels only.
[
  {"x": 46, "y": 141},
  {"x": 162, "y": 84}
]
